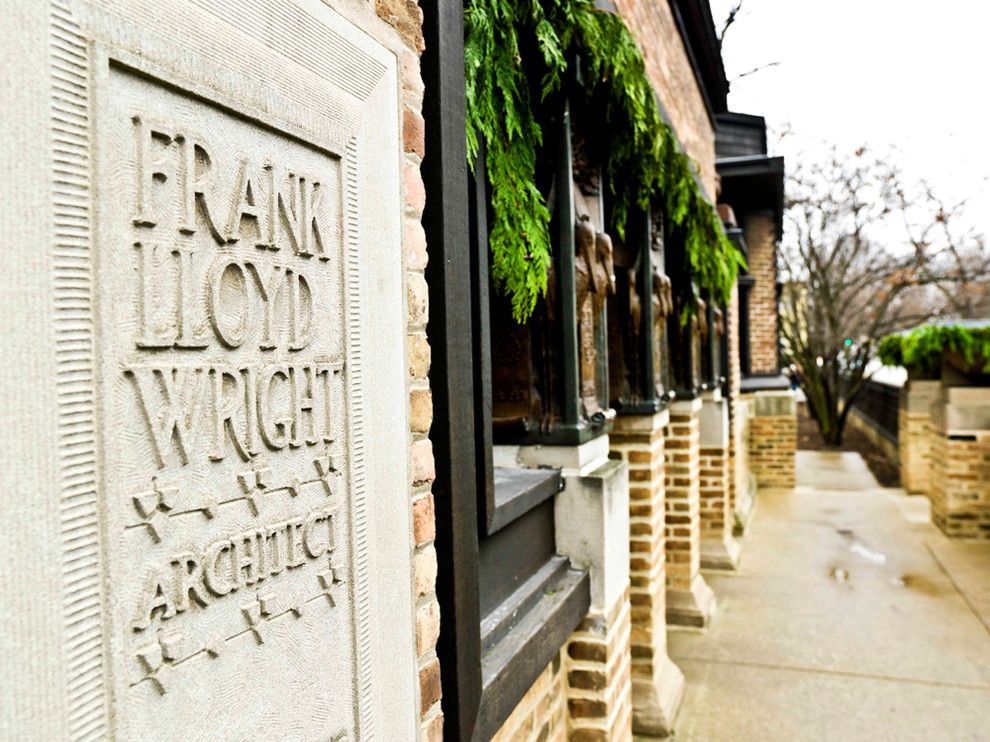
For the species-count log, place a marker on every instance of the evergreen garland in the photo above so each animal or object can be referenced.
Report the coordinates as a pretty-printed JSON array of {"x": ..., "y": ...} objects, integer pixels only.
[{"x": 644, "y": 162}]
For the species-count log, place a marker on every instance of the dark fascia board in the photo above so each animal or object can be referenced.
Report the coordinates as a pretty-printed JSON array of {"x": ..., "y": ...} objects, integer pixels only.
[
  {"x": 744, "y": 119},
  {"x": 697, "y": 30},
  {"x": 749, "y": 120},
  {"x": 750, "y": 165},
  {"x": 754, "y": 183}
]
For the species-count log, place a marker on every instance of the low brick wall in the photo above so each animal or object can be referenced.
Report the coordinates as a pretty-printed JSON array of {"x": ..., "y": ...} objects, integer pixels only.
[
  {"x": 875, "y": 435},
  {"x": 915, "y": 434}
]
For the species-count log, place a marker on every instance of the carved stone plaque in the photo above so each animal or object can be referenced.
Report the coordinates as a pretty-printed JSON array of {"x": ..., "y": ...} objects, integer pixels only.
[{"x": 233, "y": 456}]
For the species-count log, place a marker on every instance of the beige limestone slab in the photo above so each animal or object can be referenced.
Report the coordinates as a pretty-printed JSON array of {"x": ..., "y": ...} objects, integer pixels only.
[{"x": 208, "y": 310}]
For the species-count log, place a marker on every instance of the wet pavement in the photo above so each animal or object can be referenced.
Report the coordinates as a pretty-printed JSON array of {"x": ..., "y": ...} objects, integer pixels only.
[{"x": 851, "y": 618}]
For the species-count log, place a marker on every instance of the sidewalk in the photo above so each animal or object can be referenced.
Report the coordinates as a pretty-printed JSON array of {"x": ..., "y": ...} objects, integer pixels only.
[{"x": 851, "y": 618}]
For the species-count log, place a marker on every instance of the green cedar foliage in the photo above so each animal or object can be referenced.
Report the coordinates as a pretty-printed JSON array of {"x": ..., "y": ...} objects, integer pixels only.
[
  {"x": 516, "y": 55},
  {"x": 922, "y": 349}
]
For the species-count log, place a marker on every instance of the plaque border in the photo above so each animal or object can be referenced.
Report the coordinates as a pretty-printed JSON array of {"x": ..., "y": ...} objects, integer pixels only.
[
  {"x": 72, "y": 228},
  {"x": 77, "y": 55}
]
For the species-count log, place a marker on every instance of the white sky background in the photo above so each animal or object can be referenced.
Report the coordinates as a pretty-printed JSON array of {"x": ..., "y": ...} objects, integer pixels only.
[{"x": 909, "y": 75}]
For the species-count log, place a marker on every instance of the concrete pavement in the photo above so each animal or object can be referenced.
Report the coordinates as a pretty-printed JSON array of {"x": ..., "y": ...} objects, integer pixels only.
[{"x": 850, "y": 618}]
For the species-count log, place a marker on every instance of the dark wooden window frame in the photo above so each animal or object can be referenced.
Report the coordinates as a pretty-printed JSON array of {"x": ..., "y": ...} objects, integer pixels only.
[{"x": 507, "y": 601}]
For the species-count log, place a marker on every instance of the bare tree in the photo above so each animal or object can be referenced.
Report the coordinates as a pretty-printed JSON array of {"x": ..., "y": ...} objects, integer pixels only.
[
  {"x": 851, "y": 276},
  {"x": 937, "y": 228},
  {"x": 730, "y": 19}
]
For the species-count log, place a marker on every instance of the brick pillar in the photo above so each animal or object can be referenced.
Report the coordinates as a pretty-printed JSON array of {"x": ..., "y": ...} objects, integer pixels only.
[
  {"x": 592, "y": 525},
  {"x": 773, "y": 438},
  {"x": 760, "y": 233},
  {"x": 960, "y": 458},
  {"x": 690, "y": 602},
  {"x": 960, "y": 484},
  {"x": 913, "y": 438},
  {"x": 718, "y": 549},
  {"x": 658, "y": 684}
]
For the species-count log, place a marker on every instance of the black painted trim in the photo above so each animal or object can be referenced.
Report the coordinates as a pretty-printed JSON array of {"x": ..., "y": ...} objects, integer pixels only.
[
  {"x": 552, "y": 604},
  {"x": 448, "y": 276}
]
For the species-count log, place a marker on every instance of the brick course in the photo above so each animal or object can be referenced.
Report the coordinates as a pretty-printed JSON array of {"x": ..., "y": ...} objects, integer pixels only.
[
  {"x": 734, "y": 381},
  {"x": 689, "y": 599},
  {"x": 585, "y": 693},
  {"x": 714, "y": 492}
]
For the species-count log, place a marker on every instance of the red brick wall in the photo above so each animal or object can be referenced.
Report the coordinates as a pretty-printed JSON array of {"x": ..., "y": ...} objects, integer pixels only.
[
  {"x": 668, "y": 66},
  {"x": 406, "y": 17}
]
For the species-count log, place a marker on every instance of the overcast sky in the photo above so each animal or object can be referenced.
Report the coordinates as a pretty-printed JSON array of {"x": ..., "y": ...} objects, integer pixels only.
[{"x": 908, "y": 74}]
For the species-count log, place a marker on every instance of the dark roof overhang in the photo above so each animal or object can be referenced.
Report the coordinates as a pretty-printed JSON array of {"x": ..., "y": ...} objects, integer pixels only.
[{"x": 738, "y": 134}]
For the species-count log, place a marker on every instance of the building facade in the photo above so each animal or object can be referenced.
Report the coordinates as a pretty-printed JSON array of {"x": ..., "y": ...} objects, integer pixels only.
[{"x": 290, "y": 467}]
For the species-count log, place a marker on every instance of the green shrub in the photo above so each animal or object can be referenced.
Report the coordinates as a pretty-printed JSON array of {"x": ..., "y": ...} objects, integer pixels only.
[{"x": 923, "y": 348}]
